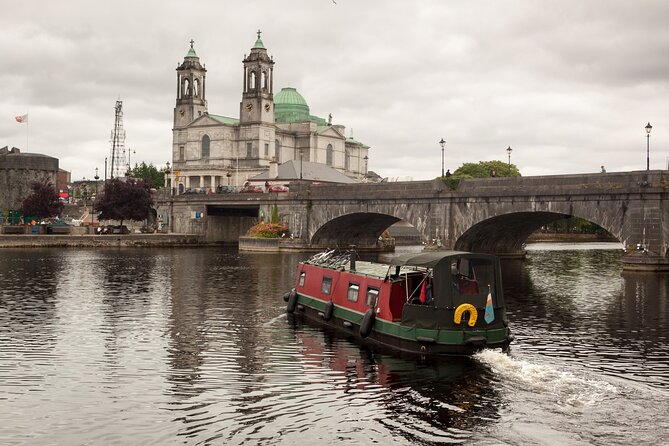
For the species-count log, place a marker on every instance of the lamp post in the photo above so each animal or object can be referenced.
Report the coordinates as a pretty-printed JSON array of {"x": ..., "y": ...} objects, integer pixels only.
[
  {"x": 648, "y": 129},
  {"x": 508, "y": 151},
  {"x": 166, "y": 173},
  {"x": 96, "y": 194},
  {"x": 442, "y": 142},
  {"x": 105, "y": 170},
  {"x": 228, "y": 175},
  {"x": 366, "y": 158}
]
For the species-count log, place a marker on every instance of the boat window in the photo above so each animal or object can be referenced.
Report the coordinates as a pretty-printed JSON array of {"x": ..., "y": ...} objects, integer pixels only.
[
  {"x": 472, "y": 276},
  {"x": 303, "y": 276},
  {"x": 372, "y": 296},
  {"x": 353, "y": 291},
  {"x": 326, "y": 285}
]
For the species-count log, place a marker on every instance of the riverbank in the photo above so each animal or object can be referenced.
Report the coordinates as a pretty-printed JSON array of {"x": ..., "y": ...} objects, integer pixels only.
[
  {"x": 99, "y": 241},
  {"x": 553, "y": 237}
]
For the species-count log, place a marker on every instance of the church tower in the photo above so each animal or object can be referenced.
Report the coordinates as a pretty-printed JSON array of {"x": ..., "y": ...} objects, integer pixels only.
[
  {"x": 191, "y": 102},
  {"x": 257, "y": 104}
]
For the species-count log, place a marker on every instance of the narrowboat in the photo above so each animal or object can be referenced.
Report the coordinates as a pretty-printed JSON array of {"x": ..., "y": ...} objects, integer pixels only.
[{"x": 429, "y": 303}]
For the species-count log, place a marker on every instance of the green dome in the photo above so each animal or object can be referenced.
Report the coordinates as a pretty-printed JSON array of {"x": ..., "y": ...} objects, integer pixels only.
[{"x": 290, "y": 106}]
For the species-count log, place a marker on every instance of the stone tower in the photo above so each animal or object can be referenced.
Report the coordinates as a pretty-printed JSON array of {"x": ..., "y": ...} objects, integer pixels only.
[
  {"x": 256, "y": 110},
  {"x": 257, "y": 104},
  {"x": 191, "y": 100}
]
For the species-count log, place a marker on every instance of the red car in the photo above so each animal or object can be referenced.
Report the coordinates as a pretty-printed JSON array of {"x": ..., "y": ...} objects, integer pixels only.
[
  {"x": 251, "y": 190},
  {"x": 277, "y": 188}
]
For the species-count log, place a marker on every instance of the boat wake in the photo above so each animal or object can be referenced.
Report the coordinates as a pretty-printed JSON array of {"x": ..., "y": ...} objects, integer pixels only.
[{"x": 567, "y": 388}]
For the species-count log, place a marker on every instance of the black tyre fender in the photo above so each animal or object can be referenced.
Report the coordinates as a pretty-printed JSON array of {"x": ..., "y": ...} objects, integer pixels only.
[
  {"x": 286, "y": 295},
  {"x": 292, "y": 302},
  {"x": 329, "y": 311},
  {"x": 367, "y": 323}
]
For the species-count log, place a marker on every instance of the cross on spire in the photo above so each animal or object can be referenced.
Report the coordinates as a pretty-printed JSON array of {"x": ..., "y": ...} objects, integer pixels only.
[
  {"x": 259, "y": 32},
  {"x": 192, "y": 42}
]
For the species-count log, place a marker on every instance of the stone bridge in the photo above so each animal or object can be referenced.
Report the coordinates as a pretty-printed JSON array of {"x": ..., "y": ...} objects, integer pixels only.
[{"x": 486, "y": 215}]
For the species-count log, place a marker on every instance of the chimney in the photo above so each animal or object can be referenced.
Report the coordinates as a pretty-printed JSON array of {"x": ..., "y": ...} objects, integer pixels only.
[{"x": 273, "y": 169}]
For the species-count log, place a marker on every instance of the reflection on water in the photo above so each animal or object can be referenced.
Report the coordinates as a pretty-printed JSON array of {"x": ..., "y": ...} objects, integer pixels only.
[{"x": 166, "y": 346}]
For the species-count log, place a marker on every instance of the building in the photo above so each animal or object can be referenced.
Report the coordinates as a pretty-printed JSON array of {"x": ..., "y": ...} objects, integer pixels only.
[
  {"x": 18, "y": 171},
  {"x": 209, "y": 150}
]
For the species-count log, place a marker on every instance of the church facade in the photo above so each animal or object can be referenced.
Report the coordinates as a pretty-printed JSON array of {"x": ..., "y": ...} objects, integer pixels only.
[{"x": 209, "y": 150}]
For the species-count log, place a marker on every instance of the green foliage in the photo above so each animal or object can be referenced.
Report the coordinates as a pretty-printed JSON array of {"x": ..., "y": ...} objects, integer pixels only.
[
  {"x": 43, "y": 202},
  {"x": 275, "y": 214},
  {"x": 268, "y": 230},
  {"x": 482, "y": 169},
  {"x": 485, "y": 169},
  {"x": 150, "y": 174},
  {"x": 125, "y": 199},
  {"x": 574, "y": 225}
]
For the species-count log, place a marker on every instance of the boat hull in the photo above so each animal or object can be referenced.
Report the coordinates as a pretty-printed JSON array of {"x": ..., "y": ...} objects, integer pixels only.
[{"x": 395, "y": 336}]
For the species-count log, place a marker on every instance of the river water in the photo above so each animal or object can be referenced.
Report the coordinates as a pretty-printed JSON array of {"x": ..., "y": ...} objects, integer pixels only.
[{"x": 192, "y": 346}]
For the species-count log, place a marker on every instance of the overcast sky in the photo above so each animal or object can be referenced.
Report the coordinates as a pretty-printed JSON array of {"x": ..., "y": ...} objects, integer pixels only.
[{"x": 569, "y": 85}]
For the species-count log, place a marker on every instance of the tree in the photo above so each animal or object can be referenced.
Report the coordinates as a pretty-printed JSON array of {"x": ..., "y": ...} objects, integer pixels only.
[
  {"x": 121, "y": 199},
  {"x": 150, "y": 174},
  {"x": 43, "y": 202},
  {"x": 484, "y": 169}
]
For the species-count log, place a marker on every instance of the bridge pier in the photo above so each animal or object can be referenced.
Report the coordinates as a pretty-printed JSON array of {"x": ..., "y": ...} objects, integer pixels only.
[{"x": 645, "y": 261}]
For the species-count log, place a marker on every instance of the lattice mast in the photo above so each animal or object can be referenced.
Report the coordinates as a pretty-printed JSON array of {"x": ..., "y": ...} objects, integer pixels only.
[{"x": 117, "y": 166}]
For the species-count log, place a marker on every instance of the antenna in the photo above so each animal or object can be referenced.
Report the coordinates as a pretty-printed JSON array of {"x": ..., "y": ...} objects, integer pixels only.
[{"x": 117, "y": 167}]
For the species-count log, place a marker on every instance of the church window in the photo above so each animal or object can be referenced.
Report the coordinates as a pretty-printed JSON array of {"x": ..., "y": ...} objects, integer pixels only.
[
  {"x": 277, "y": 150},
  {"x": 329, "y": 154},
  {"x": 181, "y": 153},
  {"x": 196, "y": 87},
  {"x": 253, "y": 81},
  {"x": 264, "y": 80},
  {"x": 205, "y": 146},
  {"x": 186, "y": 87},
  {"x": 266, "y": 149},
  {"x": 249, "y": 150}
]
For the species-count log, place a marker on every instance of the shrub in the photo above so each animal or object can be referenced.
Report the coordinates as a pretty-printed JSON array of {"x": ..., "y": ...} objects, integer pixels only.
[{"x": 268, "y": 230}]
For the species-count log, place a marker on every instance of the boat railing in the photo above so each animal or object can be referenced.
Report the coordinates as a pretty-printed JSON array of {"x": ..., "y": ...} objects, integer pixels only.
[{"x": 331, "y": 258}]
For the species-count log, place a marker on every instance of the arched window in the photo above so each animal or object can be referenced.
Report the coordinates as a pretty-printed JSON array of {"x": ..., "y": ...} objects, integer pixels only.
[
  {"x": 205, "y": 146},
  {"x": 196, "y": 87},
  {"x": 277, "y": 150},
  {"x": 329, "y": 154},
  {"x": 253, "y": 81},
  {"x": 264, "y": 80},
  {"x": 186, "y": 88}
]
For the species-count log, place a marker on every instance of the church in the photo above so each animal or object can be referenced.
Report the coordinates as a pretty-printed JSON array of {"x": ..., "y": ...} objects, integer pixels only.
[{"x": 211, "y": 150}]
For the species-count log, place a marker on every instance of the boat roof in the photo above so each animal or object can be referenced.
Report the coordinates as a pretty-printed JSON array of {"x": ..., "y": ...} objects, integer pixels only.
[{"x": 430, "y": 259}]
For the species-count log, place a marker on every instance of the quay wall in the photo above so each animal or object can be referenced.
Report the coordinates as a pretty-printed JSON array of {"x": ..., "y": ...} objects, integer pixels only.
[{"x": 99, "y": 241}]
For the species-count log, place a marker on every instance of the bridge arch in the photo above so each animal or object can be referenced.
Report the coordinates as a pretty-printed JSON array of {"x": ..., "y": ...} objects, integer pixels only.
[
  {"x": 507, "y": 233},
  {"x": 362, "y": 229}
]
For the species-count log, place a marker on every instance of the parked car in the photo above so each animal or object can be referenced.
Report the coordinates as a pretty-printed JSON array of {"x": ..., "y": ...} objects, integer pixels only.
[
  {"x": 251, "y": 190},
  {"x": 277, "y": 188}
]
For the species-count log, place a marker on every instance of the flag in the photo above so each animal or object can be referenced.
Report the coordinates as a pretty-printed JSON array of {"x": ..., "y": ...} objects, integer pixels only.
[
  {"x": 22, "y": 118},
  {"x": 489, "y": 311}
]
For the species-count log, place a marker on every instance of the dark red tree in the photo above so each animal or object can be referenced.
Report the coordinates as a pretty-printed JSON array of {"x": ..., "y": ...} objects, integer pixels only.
[
  {"x": 128, "y": 199},
  {"x": 43, "y": 202}
]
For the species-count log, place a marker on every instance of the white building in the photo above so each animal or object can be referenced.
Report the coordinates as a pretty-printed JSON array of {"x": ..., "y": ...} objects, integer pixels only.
[{"x": 209, "y": 150}]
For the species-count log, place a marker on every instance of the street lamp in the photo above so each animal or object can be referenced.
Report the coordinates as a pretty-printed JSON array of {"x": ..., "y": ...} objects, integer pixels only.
[
  {"x": 366, "y": 158},
  {"x": 508, "y": 151},
  {"x": 648, "y": 129},
  {"x": 300, "y": 164},
  {"x": 442, "y": 142},
  {"x": 105, "y": 170},
  {"x": 228, "y": 175},
  {"x": 166, "y": 173}
]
